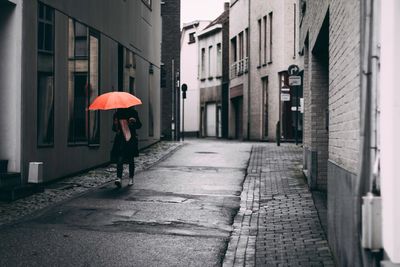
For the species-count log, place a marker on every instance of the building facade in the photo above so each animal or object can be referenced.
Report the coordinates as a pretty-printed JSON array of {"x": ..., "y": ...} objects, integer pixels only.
[
  {"x": 213, "y": 93},
  {"x": 264, "y": 43},
  {"x": 239, "y": 54},
  {"x": 170, "y": 69},
  {"x": 69, "y": 55},
  {"x": 273, "y": 48},
  {"x": 189, "y": 76},
  {"x": 349, "y": 117}
]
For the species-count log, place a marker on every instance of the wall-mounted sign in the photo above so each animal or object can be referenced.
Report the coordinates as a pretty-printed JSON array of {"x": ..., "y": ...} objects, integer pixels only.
[
  {"x": 293, "y": 70},
  {"x": 294, "y": 80},
  {"x": 285, "y": 97}
]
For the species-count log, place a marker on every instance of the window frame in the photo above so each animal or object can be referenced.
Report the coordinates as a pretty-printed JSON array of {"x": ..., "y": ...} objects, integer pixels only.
[
  {"x": 71, "y": 138},
  {"x": 51, "y": 53},
  {"x": 259, "y": 28},
  {"x": 97, "y": 35},
  {"x": 192, "y": 38}
]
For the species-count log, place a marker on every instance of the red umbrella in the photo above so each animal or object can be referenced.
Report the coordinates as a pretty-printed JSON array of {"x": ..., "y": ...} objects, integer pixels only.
[{"x": 113, "y": 100}]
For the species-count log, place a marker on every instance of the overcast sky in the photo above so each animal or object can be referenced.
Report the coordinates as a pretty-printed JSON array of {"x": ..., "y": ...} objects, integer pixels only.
[{"x": 201, "y": 10}]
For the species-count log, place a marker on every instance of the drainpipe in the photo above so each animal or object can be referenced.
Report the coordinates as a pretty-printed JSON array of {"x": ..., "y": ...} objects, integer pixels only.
[
  {"x": 249, "y": 74},
  {"x": 368, "y": 172}
]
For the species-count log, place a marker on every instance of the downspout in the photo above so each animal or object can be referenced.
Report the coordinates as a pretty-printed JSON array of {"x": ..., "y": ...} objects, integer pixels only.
[
  {"x": 249, "y": 74},
  {"x": 369, "y": 162}
]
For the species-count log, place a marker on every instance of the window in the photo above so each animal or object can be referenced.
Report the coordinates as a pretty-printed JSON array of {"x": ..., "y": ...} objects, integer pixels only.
[
  {"x": 247, "y": 42},
  {"x": 132, "y": 89},
  {"x": 45, "y": 76},
  {"x": 241, "y": 46},
  {"x": 270, "y": 37},
  {"x": 259, "y": 42},
  {"x": 265, "y": 40},
  {"x": 233, "y": 50},
  {"x": 94, "y": 86},
  {"x": 294, "y": 31},
  {"x": 147, "y": 3},
  {"x": 83, "y": 84},
  {"x": 191, "y": 38},
  {"x": 210, "y": 70},
  {"x": 219, "y": 60},
  {"x": 81, "y": 46},
  {"x": 203, "y": 64}
]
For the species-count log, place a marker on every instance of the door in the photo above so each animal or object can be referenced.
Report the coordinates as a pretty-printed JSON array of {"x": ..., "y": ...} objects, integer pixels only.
[
  {"x": 211, "y": 120},
  {"x": 238, "y": 110},
  {"x": 265, "y": 108}
]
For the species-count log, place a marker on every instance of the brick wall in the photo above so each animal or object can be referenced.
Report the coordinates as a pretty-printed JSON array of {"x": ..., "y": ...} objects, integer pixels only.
[
  {"x": 319, "y": 88},
  {"x": 344, "y": 92},
  {"x": 170, "y": 12},
  {"x": 332, "y": 81}
]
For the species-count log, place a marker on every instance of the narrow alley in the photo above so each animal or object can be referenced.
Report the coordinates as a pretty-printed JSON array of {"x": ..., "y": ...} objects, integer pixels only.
[{"x": 180, "y": 212}]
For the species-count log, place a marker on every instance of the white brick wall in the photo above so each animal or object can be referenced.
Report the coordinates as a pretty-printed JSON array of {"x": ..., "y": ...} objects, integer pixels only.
[
  {"x": 344, "y": 92},
  {"x": 344, "y": 78}
]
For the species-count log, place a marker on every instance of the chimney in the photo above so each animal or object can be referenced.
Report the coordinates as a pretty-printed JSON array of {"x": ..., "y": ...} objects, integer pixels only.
[{"x": 226, "y": 6}]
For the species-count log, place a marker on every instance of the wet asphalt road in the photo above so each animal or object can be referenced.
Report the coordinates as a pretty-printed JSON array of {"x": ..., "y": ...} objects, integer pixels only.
[{"x": 178, "y": 213}]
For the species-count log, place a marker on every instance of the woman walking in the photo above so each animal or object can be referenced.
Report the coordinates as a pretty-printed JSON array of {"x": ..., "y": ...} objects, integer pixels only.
[{"x": 125, "y": 147}]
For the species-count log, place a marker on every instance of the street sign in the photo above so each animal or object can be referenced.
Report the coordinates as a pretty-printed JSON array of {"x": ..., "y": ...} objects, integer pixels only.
[
  {"x": 293, "y": 70},
  {"x": 294, "y": 80},
  {"x": 285, "y": 97}
]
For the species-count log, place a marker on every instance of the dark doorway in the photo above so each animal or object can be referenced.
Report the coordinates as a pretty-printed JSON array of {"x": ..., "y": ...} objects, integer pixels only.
[{"x": 238, "y": 111}]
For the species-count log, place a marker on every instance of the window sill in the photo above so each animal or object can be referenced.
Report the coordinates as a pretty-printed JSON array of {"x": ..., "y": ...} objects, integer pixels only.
[
  {"x": 210, "y": 78},
  {"x": 259, "y": 67},
  {"x": 45, "y": 146},
  {"x": 94, "y": 146},
  {"x": 218, "y": 77},
  {"x": 202, "y": 79},
  {"x": 269, "y": 62},
  {"x": 265, "y": 64},
  {"x": 78, "y": 144}
]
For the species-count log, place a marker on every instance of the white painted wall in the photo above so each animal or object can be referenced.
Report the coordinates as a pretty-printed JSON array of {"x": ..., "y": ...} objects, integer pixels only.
[
  {"x": 211, "y": 65},
  {"x": 10, "y": 84},
  {"x": 189, "y": 75},
  {"x": 390, "y": 127}
]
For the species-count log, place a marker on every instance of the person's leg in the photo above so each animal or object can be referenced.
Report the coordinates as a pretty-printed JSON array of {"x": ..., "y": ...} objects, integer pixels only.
[
  {"x": 131, "y": 171},
  {"x": 120, "y": 168}
]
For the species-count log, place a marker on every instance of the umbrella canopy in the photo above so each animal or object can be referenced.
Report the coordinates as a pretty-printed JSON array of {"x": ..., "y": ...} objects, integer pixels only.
[{"x": 113, "y": 100}]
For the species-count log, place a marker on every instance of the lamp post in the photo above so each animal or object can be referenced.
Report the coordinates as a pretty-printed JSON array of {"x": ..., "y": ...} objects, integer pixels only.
[{"x": 184, "y": 89}]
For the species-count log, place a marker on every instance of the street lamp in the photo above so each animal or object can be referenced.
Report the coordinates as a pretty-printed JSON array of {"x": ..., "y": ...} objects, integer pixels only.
[{"x": 184, "y": 89}]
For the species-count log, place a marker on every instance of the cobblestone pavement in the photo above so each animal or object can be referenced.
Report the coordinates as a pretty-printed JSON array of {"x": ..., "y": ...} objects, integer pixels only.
[
  {"x": 277, "y": 224},
  {"x": 75, "y": 185}
]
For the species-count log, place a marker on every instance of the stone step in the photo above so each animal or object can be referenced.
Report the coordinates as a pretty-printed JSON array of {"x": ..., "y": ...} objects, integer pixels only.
[
  {"x": 10, "y": 179},
  {"x": 9, "y": 194}
]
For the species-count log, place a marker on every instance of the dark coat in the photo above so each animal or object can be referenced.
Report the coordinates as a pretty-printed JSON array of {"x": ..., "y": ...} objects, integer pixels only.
[{"x": 121, "y": 148}]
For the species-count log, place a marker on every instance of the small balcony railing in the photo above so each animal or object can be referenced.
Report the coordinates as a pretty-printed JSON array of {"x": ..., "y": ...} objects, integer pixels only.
[{"x": 239, "y": 67}]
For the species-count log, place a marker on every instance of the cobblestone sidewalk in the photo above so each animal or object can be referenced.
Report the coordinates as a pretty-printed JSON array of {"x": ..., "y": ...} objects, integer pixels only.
[
  {"x": 277, "y": 224},
  {"x": 73, "y": 186}
]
